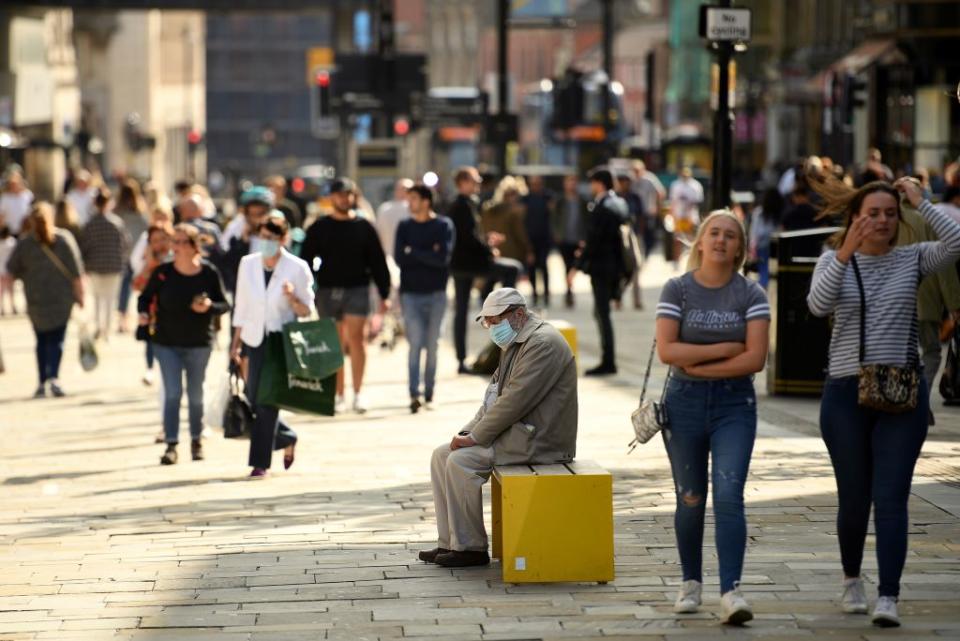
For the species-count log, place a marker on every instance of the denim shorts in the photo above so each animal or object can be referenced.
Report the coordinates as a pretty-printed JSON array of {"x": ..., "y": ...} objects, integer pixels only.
[{"x": 337, "y": 302}]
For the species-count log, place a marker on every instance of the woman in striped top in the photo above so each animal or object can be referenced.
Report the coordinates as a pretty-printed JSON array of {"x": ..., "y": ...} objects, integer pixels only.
[
  {"x": 712, "y": 328},
  {"x": 861, "y": 440}
]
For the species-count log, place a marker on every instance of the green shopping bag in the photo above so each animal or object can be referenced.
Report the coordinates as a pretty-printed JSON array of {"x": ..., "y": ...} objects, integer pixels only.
[
  {"x": 280, "y": 388},
  {"x": 312, "y": 348}
]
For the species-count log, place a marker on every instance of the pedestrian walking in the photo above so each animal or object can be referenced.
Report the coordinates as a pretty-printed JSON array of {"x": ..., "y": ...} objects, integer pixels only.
[
  {"x": 423, "y": 247},
  {"x": 274, "y": 287},
  {"x": 65, "y": 218},
  {"x": 291, "y": 211},
  {"x": 503, "y": 218},
  {"x": 391, "y": 213},
  {"x": 474, "y": 256},
  {"x": 637, "y": 217},
  {"x": 528, "y": 417},
  {"x": 81, "y": 195},
  {"x": 159, "y": 251},
  {"x": 712, "y": 329},
  {"x": 185, "y": 296},
  {"x": 104, "y": 246},
  {"x": 15, "y": 202},
  {"x": 132, "y": 212},
  {"x": 652, "y": 194},
  {"x": 686, "y": 196},
  {"x": 537, "y": 204},
  {"x": 764, "y": 223},
  {"x": 569, "y": 228},
  {"x": 48, "y": 262},
  {"x": 256, "y": 204},
  {"x": 8, "y": 243},
  {"x": 869, "y": 286},
  {"x": 601, "y": 259},
  {"x": 345, "y": 254}
]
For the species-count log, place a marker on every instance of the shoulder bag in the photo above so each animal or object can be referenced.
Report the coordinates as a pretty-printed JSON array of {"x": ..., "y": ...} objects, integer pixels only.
[
  {"x": 651, "y": 416},
  {"x": 77, "y": 298},
  {"x": 888, "y": 388}
]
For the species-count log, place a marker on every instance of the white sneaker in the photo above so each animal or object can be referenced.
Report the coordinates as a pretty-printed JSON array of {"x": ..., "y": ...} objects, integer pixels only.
[
  {"x": 734, "y": 609},
  {"x": 148, "y": 378},
  {"x": 359, "y": 404},
  {"x": 340, "y": 404},
  {"x": 688, "y": 598},
  {"x": 885, "y": 613},
  {"x": 854, "y": 599}
]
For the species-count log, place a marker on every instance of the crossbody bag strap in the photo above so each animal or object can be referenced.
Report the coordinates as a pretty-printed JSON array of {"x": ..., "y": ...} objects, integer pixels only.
[
  {"x": 646, "y": 376},
  {"x": 57, "y": 263},
  {"x": 863, "y": 307}
]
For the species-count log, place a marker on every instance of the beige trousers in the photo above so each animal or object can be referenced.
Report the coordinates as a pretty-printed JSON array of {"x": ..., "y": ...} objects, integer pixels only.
[
  {"x": 106, "y": 293},
  {"x": 457, "y": 478}
]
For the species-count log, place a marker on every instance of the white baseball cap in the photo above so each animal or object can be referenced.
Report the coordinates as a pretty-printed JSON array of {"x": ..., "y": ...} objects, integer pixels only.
[{"x": 499, "y": 300}]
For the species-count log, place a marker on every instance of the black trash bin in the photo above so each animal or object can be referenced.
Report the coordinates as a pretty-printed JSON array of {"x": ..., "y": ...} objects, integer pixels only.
[{"x": 799, "y": 341}]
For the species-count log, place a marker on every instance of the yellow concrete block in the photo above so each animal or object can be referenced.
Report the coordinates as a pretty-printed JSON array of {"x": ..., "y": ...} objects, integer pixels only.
[
  {"x": 553, "y": 523},
  {"x": 569, "y": 333}
]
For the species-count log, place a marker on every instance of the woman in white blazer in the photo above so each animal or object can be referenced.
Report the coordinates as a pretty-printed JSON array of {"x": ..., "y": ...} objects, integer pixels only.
[{"x": 273, "y": 288}]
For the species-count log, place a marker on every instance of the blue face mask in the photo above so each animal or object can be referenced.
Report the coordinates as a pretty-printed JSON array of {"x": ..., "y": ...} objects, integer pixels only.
[
  {"x": 268, "y": 248},
  {"x": 502, "y": 334}
]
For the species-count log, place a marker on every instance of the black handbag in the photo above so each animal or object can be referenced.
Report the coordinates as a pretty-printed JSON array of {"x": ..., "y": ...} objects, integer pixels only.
[
  {"x": 950, "y": 381},
  {"x": 238, "y": 417}
]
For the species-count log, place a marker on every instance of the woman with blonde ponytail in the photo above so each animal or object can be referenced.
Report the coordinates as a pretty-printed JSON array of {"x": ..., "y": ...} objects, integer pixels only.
[{"x": 712, "y": 329}]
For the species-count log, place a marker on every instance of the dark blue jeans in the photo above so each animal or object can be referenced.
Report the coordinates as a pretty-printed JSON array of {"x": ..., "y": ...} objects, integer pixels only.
[
  {"x": 422, "y": 317},
  {"x": 49, "y": 352},
  {"x": 873, "y": 455},
  {"x": 269, "y": 432},
  {"x": 718, "y": 419},
  {"x": 174, "y": 362},
  {"x": 123, "y": 300}
]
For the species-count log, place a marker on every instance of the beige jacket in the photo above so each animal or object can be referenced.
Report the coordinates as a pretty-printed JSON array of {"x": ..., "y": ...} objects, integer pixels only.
[{"x": 534, "y": 417}]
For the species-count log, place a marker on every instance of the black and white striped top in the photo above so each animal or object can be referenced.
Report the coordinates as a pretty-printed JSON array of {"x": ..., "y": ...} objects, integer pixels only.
[{"x": 890, "y": 288}]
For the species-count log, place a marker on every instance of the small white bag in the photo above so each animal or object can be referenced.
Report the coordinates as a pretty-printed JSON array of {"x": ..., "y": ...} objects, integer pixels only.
[
  {"x": 650, "y": 416},
  {"x": 216, "y": 395}
]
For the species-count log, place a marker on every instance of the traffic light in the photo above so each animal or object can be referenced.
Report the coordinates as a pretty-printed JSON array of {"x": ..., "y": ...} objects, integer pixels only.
[
  {"x": 854, "y": 95},
  {"x": 194, "y": 140},
  {"x": 321, "y": 84},
  {"x": 401, "y": 126}
]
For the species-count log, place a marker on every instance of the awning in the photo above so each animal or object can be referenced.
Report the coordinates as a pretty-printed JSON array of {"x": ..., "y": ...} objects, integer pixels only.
[{"x": 881, "y": 52}]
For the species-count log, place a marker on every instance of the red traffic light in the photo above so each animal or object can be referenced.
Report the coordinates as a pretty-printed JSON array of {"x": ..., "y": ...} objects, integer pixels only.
[
  {"x": 194, "y": 137},
  {"x": 401, "y": 126},
  {"x": 322, "y": 79},
  {"x": 297, "y": 185}
]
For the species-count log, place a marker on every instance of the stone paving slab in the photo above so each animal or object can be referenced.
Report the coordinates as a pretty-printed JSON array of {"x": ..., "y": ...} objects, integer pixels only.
[{"x": 99, "y": 542}]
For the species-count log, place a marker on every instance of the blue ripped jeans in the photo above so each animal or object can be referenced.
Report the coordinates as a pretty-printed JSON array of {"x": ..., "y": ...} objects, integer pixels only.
[{"x": 715, "y": 418}]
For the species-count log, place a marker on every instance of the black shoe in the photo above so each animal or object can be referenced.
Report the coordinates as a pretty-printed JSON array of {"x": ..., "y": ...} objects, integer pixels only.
[
  {"x": 170, "y": 456},
  {"x": 56, "y": 390},
  {"x": 463, "y": 369},
  {"x": 568, "y": 300},
  {"x": 465, "y": 559},
  {"x": 41, "y": 391},
  {"x": 196, "y": 450},
  {"x": 414, "y": 405},
  {"x": 601, "y": 370},
  {"x": 430, "y": 556}
]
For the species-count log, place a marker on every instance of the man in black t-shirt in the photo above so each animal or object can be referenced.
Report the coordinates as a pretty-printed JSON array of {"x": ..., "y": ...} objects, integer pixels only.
[{"x": 344, "y": 253}]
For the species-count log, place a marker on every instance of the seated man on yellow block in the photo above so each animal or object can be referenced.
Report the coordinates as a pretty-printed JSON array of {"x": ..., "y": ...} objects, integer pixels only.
[{"x": 528, "y": 416}]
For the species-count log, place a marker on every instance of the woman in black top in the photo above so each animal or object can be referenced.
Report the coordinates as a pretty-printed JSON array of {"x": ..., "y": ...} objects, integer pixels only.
[{"x": 185, "y": 296}]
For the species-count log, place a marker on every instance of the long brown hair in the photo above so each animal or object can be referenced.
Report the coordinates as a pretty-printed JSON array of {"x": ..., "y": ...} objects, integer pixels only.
[
  {"x": 65, "y": 216},
  {"x": 130, "y": 198},
  {"x": 839, "y": 199},
  {"x": 41, "y": 223}
]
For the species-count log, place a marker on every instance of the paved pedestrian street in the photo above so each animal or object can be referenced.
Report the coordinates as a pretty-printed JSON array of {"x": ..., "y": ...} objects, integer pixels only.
[{"x": 99, "y": 542}]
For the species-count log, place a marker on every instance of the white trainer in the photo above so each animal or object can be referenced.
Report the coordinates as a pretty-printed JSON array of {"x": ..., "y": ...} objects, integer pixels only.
[
  {"x": 734, "y": 609},
  {"x": 854, "y": 599},
  {"x": 688, "y": 598},
  {"x": 885, "y": 613},
  {"x": 359, "y": 404},
  {"x": 340, "y": 404}
]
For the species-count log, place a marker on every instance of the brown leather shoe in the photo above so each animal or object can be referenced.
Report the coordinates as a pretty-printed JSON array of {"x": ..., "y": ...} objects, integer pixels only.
[
  {"x": 196, "y": 450},
  {"x": 430, "y": 556},
  {"x": 464, "y": 559},
  {"x": 170, "y": 456}
]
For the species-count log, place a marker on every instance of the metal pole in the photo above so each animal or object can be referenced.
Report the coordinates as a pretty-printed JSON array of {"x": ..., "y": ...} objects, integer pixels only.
[
  {"x": 386, "y": 50},
  {"x": 722, "y": 127},
  {"x": 607, "y": 68},
  {"x": 503, "y": 12}
]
